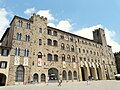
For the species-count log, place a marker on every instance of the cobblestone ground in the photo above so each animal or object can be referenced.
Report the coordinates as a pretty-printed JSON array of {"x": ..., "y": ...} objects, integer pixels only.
[{"x": 91, "y": 85}]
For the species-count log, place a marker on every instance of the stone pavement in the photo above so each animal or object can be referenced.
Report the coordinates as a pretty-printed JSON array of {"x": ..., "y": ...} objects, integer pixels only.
[{"x": 92, "y": 85}]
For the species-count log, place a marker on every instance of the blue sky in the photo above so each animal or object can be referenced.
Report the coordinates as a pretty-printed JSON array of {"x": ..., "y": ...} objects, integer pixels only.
[{"x": 78, "y": 15}]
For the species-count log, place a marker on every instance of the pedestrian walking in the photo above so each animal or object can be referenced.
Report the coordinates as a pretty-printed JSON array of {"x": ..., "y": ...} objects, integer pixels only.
[{"x": 59, "y": 82}]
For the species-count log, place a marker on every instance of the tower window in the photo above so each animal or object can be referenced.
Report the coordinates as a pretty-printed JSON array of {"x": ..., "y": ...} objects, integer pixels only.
[
  {"x": 39, "y": 55},
  {"x": 27, "y": 38},
  {"x": 19, "y": 23},
  {"x": 49, "y": 32},
  {"x": 28, "y": 25},
  {"x": 17, "y": 51},
  {"x": 26, "y": 52}
]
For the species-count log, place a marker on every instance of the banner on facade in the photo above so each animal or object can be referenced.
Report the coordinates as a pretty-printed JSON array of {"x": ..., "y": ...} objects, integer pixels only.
[
  {"x": 93, "y": 64},
  {"x": 97, "y": 65},
  {"x": 17, "y": 60},
  {"x": 39, "y": 62},
  {"x": 82, "y": 64},
  {"x": 74, "y": 65},
  {"x": 25, "y": 61},
  {"x": 86, "y": 65},
  {"x": 89, "y": 64},
  {"x": 64, "y": 64}
]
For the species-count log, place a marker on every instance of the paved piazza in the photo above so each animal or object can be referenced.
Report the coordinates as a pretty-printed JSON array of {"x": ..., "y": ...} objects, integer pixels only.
[{"x": 92, "y": 85}]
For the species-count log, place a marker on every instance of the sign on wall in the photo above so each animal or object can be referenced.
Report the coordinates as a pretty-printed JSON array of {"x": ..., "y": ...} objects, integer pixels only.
[
  {"x": 74, "y": 65},
  {"x": 39, "y": 61},
  {"x": 17, "y": 60},
  {"x": 25, "y": 61},
  {"x": 64, "y": 64}
]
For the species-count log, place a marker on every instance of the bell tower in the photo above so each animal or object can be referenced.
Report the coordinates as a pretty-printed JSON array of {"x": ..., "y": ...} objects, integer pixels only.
[{"x": 99, "y": 36}]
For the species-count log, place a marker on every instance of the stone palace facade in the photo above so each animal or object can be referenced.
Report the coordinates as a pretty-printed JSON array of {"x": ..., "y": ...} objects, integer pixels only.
[{"x": 32, "y": 51}]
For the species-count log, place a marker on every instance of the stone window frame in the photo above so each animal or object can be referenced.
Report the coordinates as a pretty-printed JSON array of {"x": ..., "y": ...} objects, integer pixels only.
[
  {"x": 55, "y": 57},
  {"x": 55, "y": 42},
  {"x": 27, "y": 38},
  {"x": 26, "y": 53},
  {"x": 17, "y": 51},
  {"x": 18, "y": 36},
  {"x": 55, "y": 33},
  {"x": 28, "y": 25},
  {"x": 49, "y": 57},
  {"x": 20, "y": 23},
  {"x": 49, "y": 42},
  {"x": 62, "y": 46},
  {"x": 72, "y": 48},
  {"x": 63, "y": 57}
]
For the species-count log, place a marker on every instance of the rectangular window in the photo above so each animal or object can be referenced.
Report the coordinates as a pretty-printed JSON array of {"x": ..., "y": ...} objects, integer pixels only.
[
  {"x": 40, "y": 41},
  {"x": 40, "y": 30},
  {"x": 3, "y": 64},
  {"x": 55, "y": 33},
  {"x": 5, "y": 52},
  {"x": 62, "y": 36},
  {"x": 19, "y": 23},
  {"x": 28, "y": 25},
  {"x": 49, "y": 32}
]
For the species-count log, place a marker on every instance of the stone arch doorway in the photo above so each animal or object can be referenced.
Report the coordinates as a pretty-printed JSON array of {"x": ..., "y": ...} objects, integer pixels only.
[
  {"x": 92, "y": 72},
  {"x": 20, "y": 73},
  {"x": 84, "y": 73},
  {"x": 99, "y": 73},
  {"x": 35, "y": 77},
  {"x": 69, "y": 75},
  {"x": 53, "y": 74},
  {"x": 64, "y": 75},
  {"x": 2, "y": 79},
  {"x": 75, "y": 75},
  {"x": 43, "y": 77}
]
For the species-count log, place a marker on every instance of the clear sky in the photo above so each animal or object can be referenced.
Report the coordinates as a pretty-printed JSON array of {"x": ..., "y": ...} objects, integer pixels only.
[{"x": 76, "y": 16}]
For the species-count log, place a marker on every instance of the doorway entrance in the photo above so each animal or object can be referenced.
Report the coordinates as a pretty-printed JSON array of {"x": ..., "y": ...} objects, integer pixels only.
[{"x": 2, "y": 79}]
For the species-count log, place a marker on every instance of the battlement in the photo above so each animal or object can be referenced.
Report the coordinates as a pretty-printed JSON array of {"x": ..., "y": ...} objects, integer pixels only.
[{"x": 36, "y": 17}]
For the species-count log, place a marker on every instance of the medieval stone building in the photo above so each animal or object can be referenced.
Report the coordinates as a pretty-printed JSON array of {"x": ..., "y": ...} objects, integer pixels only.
[
  {"x": 33, "y": 51},
  {"x": 117, "y": 61}
]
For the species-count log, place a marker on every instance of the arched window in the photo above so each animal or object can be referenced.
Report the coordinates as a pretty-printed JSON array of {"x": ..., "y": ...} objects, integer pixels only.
[
  {"x": 73, "y": 58},
  {"x": 68, "y": 47},
  {"x": 20, "y": 74},
  {"x": 75, "y": 75},
  {"x": 72, "y": 48},
  {"x": 35, "y": 77},
  {"x": 69, "y": 75},
  {"x": 18, "y": 36},
  {"x": 68, "y": 58},
  {"x": 26, "y": 52},
  {"x": 62, "y": 46},
  {"x": 55, "y": 43},
  {"x": 17, "y": 51},
  {"x": 55, "y": 57},
  {"x": 27, "y": 38},
  {"x": 49, "y": 57},
  {"x": 19, "y": 23},
  {"x": 63, "y": 57},
  {"x": 39, "y": 55},
  {"x": 64, "y": 75},
  {"x": 49, "y": 42}
]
